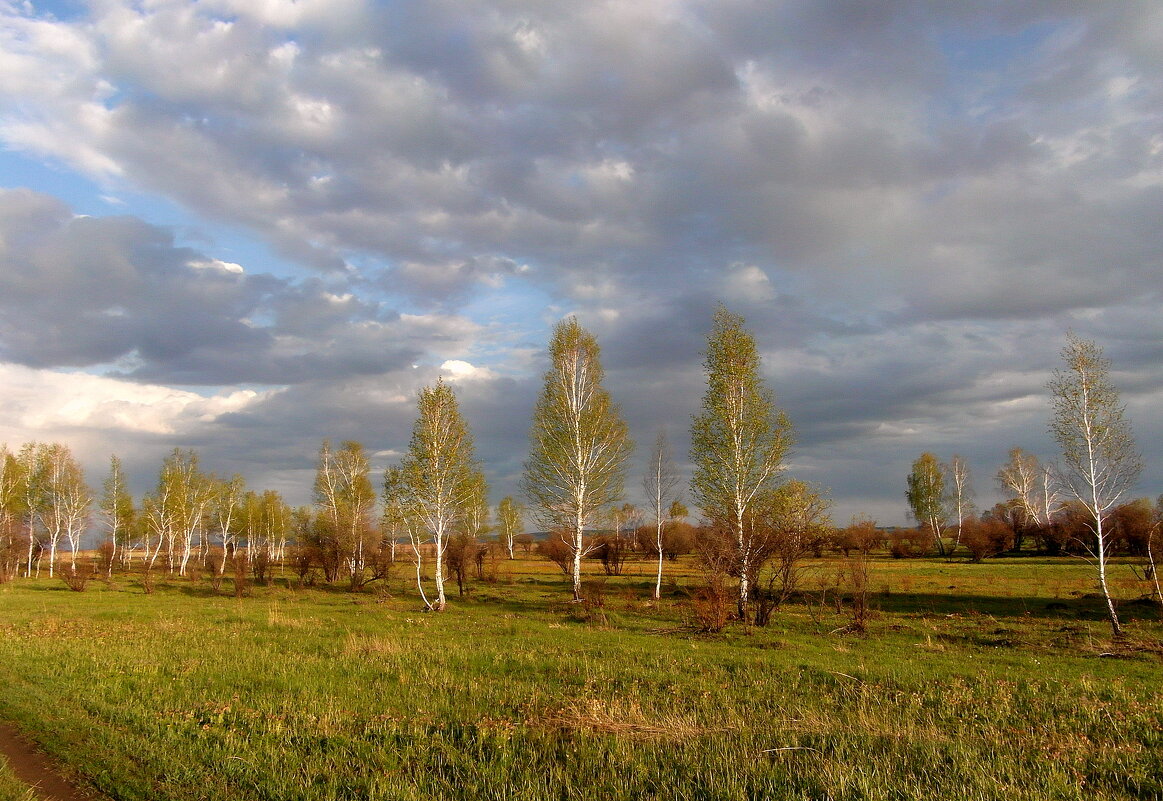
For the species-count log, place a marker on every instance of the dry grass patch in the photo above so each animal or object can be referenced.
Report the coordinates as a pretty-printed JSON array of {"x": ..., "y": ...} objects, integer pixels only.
[{"x": 620, "y": 717}]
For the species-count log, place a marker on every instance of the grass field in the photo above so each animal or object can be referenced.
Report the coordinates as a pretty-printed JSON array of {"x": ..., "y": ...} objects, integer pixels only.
[{"x": 996, "y": 680}]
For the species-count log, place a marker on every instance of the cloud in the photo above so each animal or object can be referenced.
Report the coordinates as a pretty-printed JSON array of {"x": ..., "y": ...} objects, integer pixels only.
[
  {"x": 909, "y": 202},
  {"x": 118, "y": 292}
]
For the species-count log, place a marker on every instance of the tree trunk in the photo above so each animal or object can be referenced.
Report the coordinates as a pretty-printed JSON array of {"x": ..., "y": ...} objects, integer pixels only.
[
  {"x": 1116, "y": 628},
  {"x": 658, "y": 581},
  {"x": 440, "y": 599},
  {"x": 744, "y": 567}
]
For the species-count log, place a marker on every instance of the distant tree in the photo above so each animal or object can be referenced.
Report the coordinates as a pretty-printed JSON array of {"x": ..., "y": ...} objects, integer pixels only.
[
  {"x": 1099, "y": 461},
  {"x": 1131, "y": 525},
  {"x": 509, "y": 514},
  {"x": 345, "y": 499},
  {"x": 738, "y": 441},
  {"x": 440, "y": 484},
  {"x": 118, "y": 512},
  {"x": 926, "y": 494},
  {"x": 661, "y": 483},
  {"x": 986, "y": 537},
  {"x": 579, "y": 444},
  {"x": 64, "y": 499},
  {"x": 264, "y": 521},
  {"x": 14, "y": 514},
  {"x": 960, "y": 488},
  {"x": 179, "y": 508},
  {"x": 226, "y": 516},
  {"x": 1025, "y": 478}
]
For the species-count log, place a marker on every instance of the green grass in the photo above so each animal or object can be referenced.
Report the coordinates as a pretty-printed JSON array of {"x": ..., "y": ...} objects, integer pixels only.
[
  {"x": 11, "y": 788},
  {"x": 976, "y": 681}
]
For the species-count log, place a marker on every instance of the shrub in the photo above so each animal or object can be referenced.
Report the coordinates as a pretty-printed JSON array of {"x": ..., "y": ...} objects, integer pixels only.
[
  {"x": 986, "y": 538},
  {"x": 711, "y": 605},
  {"x": 241, "y": 572},
  {"x": 76, "y": 577},
  {"x": 557, "y": 551},
  {"x": 908, "y": 542}
]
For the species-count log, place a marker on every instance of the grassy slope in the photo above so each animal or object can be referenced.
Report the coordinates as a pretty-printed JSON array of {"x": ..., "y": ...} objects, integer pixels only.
[{"x": 969, "y": 687}]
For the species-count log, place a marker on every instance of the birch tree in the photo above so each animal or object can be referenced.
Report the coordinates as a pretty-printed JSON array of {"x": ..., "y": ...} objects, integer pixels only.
[
  {"x": 578, "y": 444},
  {"x": 960, "y": 486},
  {"x": 660, "y": 483},
  {"x": 225, "y": 513},
  {"x": 179, "y": 508},
  {"x": 738, "y": 441},
  {"x": 14, "y": 512},
  {"x": 1099, "y": 463},
  {"x": 117, "y": 511},
  {"x": 1030, "y": 482},
  {"x": 438, "y": 479},
  {"x": 65, "y": 500},
  {"x": 509, "y": 514},
  {"x": 345, "y": 499},
  {"x": 926, "y": 494},
  {"x": 400, "y": 515}
]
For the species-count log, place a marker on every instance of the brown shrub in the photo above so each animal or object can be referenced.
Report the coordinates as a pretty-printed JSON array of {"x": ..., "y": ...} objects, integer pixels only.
[
  {"x": 986, "y": 538},
  {"x": 557, "y": 551},
  {"x": 76, "y": 577}
]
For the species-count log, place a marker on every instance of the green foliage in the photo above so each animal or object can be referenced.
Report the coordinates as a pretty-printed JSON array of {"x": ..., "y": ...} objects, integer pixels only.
[
  {"x": 926, "y": 496},
  {"x": 438, "y": 482},
  {"x": 578, "y": 444},
  {"x": 738, "y": 440}
]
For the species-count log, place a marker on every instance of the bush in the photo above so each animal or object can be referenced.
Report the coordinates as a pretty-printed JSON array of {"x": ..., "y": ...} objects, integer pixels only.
[
  {"x": 862, "y": 536},
  {"x": 909, "y": 542},
  {"x": 76, "y": 577},
  {"x": 555, "y": 550},
  {"x": 986, "y": 538},
  {"x": 711, "y": 606}
]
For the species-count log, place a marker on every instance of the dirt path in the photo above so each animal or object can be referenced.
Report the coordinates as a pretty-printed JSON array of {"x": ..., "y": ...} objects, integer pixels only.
[{"x": 36, "y": 770}]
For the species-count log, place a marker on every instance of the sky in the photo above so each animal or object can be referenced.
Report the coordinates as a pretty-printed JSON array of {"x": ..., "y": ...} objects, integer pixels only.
[{"x": 244, "y": 226}]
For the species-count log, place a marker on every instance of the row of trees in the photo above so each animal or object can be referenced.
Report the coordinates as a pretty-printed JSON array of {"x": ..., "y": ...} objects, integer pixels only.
[
  {"x": 435, "y": 499},
  {"x": 1086, "y": 486},
  {"x": 45, "y": 503}
]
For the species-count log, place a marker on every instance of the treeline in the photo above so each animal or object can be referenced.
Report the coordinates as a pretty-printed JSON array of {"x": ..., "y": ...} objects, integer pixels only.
[
  {"x": 1034, "y": 518},
  {"x": 431, "y": 509}
]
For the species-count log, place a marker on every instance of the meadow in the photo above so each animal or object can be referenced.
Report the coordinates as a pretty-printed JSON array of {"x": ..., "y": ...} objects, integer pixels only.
[{"x": 973, "y": 681}]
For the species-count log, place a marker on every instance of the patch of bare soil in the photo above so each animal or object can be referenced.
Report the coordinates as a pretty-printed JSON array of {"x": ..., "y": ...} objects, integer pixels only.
[{"x": 38, "y": 771}]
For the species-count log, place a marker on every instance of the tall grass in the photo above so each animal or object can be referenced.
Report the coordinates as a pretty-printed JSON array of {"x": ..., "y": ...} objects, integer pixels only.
[{"x": 969, "y": 686}]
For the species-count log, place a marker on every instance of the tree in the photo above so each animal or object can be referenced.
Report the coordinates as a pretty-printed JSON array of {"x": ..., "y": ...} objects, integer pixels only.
[
  {"x": 660, "y": 482},
  {"x": 797, "y": 522},
  {"x": 226, "y": 506},
  {"x": 926, "y": 494},
  {"x": 738, "y": 441},
  {"x": 178, "y": 508},
  {"x": 438, "y": 481},
  {"x": 345, "y": 499},
  {"x": 117, "y": 509},
  {"x": 1031, "y": 485},
  {"x": 509, "y": 513},
  {"x": 1099, "y": 461},
  {"x": 960, "y": 493},
  {"x": 14, "y": 512},
  {"x": 64, "y": 499},
  {"x": 579, "y": 443}
]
